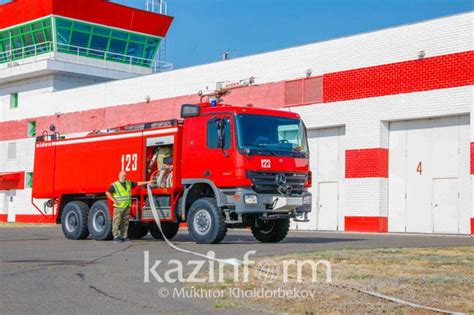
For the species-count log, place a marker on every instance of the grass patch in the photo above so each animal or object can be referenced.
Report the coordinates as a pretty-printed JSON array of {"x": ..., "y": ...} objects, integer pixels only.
[{"x": 436, "y": 277}]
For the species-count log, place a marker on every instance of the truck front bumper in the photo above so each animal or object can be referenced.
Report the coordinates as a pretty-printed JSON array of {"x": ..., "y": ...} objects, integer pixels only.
[{"x": 246, "y": 201}]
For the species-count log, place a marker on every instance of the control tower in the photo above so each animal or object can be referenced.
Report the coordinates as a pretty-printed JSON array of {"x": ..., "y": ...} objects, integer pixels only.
[{"x": 51, "y": 45}]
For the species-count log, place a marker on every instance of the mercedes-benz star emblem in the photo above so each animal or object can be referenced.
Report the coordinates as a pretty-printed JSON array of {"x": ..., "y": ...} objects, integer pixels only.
[{"x": 280, "y": 180}]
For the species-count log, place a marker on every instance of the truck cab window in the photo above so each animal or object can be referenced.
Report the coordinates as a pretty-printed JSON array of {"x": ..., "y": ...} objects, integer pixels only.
[
  {"x": 271, "y": 135},
  {"x": 212, "y": 132}
]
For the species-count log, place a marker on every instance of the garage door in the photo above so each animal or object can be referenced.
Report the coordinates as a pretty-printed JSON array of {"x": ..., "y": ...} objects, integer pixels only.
[
  {"x": 327, "y": 165},
  {"x": 429, "y": 176}
]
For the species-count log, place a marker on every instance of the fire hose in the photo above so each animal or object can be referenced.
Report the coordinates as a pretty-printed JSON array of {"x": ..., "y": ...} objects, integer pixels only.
[
  {"x": 230, "y": 261},
  {"x": 237, "y": 262}
]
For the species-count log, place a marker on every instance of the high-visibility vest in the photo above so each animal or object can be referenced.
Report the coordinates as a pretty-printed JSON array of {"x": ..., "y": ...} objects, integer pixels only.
[{"x": 122, "y": 195}]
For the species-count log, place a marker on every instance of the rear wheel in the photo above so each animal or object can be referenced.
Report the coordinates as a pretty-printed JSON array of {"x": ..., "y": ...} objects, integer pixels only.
[
  {"x": 206, "y": 223},
  {"x": 272, "y": 231},
  {"x": 100, "y": 221},
  {"x": 74, "y": 220},
  {"x": 170, "y": 229},
  {"x": 137, "y": 230}
]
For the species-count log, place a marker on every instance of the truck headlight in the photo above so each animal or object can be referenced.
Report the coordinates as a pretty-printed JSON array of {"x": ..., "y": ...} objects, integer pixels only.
[
  {"x": 307, "y": 200},
  {"x": 250, "y": 199}
]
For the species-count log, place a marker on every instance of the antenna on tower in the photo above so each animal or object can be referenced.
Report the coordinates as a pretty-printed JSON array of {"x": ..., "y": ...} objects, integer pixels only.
[
  {"x": 160, "y": 7},
  {"x": 157, "y": 6}
]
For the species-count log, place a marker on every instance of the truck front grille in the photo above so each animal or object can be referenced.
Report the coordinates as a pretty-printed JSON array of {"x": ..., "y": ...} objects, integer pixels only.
[{"x": 266, "y": 182}]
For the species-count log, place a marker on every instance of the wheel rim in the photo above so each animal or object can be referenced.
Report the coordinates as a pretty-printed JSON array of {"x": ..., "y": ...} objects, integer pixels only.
[
  {"x": 202, "y": 222},
  {"x": 98, "y": 221},
  {"x": 268, "y": 227},
  {"x": 71, "y": 221}
]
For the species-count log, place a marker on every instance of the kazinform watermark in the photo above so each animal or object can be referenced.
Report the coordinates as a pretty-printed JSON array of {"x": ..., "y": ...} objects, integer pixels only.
[{"x": 212, "y": 271}]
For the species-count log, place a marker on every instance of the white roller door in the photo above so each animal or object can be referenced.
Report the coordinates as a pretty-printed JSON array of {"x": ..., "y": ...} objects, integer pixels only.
[
  {"x": 327, "y": 159},
  {"x": 429, "y": 176}
]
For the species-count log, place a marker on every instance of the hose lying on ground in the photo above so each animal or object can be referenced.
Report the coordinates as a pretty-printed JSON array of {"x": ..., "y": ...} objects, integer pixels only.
[
  {"x": 237, "y": 262},
  {"x": 230, "y": 261}
]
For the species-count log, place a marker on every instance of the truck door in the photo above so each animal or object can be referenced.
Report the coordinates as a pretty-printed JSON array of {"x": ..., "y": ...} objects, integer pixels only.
[{"x": 220, "y": 166}]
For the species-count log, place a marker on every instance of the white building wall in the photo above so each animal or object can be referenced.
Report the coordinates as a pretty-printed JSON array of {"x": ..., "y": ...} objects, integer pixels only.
[
  {"x": 365, "y": 120},
  {"x": 429, "y": 175},
  {"x": 24, "y": 88},
  {"x": 23, "y": 160},
  {"x": 25, "y": 150},
  {"x": 327, "y": 163},
  {"x": 64, "y": 81},
  {"x": 435, "y": 37},
  {"x": 32, "y": 86},
  {"x": 366, "y": 127}
]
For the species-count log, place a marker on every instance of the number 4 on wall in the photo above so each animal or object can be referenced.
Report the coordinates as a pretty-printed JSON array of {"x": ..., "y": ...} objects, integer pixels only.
[{"x": 419, "y": 168}]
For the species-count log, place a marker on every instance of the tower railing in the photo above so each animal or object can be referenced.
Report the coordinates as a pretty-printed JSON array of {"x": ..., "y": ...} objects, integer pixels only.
[{"x": 47, "y": 50}]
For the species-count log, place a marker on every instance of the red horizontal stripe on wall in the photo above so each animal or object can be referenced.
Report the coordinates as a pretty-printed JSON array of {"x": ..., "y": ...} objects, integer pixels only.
[
  {"x": 366, "y": 224},
  {"x": 430, "y": 73},
  {"x": 472, "y": 158},
  {"x": 264, "y": 96},
  {"x": 34, "y": 218},
  {"x": 367, "y": 163},
  {"x": 100, "y": 118},
  {"x": 13, "y": 129},
  {"x": 268, "y": 95},
  {"x": 3, "y": 217}
]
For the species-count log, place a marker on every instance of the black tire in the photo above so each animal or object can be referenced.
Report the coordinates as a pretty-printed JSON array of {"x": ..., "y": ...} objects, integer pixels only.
[
  {"x": 137, "y": 230},
  {"x": 170, "y": 229},
  {"x": 206, "y": 223},
  {"x": 100, "y": 221},
  {"x": 272, "y": 231},
  {"x": 74, "y": 220}
]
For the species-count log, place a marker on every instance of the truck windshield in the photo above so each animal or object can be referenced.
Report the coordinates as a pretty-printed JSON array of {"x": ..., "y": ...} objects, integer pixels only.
[{"x": 271, "y": 135}]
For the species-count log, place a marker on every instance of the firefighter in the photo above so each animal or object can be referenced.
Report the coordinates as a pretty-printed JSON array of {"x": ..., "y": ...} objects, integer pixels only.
[
  {"x": 120, "y": 193},
  {"x": 165, "y": 169},
  {"x": 163, "y": 152}
]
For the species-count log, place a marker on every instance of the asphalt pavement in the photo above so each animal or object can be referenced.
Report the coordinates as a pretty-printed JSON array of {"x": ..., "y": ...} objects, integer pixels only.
[{"x": 41, "y": 272}]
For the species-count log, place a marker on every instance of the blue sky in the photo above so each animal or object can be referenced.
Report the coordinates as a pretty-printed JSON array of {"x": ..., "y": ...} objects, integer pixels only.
[{"x": 203, "y": 29}]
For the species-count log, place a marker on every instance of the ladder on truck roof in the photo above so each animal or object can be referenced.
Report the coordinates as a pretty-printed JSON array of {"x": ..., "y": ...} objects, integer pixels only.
[
  {"x": 142, "y": 126},
  {"x": 45, "y": 136}
]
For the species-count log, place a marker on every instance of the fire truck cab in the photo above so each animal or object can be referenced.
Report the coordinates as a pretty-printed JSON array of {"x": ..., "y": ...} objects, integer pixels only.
[{"x": 219, "y": 167}]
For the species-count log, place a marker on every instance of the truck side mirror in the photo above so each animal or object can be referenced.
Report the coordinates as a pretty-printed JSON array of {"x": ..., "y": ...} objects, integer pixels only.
[{"x": 220, "y": 125}]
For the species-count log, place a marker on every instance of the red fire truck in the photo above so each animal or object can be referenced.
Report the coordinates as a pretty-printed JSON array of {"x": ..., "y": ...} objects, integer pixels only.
[{"x": 218, "y": 167}]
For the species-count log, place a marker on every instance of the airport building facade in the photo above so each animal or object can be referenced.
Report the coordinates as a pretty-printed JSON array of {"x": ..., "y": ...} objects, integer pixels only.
[{"x": 388, "y": 113}]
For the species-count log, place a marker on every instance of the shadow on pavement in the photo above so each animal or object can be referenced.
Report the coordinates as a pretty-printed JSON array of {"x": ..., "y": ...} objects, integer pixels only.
[{"x": 249, "y": 239}]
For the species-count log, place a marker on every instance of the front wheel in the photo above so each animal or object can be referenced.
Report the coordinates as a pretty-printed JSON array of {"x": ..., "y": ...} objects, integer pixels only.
[
  {"x": 206, "y": 223},
  {"x": 272, "y": 231}
]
